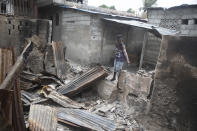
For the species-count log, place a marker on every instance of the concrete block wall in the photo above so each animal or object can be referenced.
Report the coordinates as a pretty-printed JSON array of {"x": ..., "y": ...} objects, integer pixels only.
[
  {"x": 89, "y": 39},
  {"x": 76, "y": 35},
  {"x": 134, "y": 44},
  {"x": 152, "y": 50},
  {"x": 109, "y": 40},
  {"x": 172, "y": 19},
  {"x": 132, "y": 37},
  {"x": 153, "y": 43},
  {"x": 13, "y": 31},
  {"x": 96, "y": 39}
]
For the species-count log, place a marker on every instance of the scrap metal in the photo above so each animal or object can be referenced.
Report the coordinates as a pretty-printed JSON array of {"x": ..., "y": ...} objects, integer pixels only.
[
  {"x": 28, "y": 98},
  {"x": 35, "y": 80},
  {"x": 18, "y": 117},
  {"x": 8, "y": 84},
  {"x": 6, "y": 62},
  {"x": 42, "y": 118},
  {"x": 61, "y": 99},
  {"x": 83, "y": 80},
  {"x": 84, "y": 119}
]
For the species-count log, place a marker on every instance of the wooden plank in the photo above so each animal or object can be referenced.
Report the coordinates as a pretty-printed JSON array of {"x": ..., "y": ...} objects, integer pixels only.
[{"x": 58, "y": 53}]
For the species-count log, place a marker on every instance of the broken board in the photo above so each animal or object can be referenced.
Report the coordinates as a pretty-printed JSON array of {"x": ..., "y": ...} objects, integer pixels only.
[{"x": 58, "y": 53}]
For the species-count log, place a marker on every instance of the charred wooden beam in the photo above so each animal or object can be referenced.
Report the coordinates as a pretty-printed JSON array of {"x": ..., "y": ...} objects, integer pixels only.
[{"x": 6, "y": 62}]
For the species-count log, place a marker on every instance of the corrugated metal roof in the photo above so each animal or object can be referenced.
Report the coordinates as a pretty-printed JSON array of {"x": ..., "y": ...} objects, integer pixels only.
[
  {"x": 158, "y": 31},
  {"x": 85, "y": 119},
  {"x": 42, "y": 118},
  {"x": 174, "y": 7},
  {"x": 80, "y": 82},
  {"x": 101, "y": 13}
]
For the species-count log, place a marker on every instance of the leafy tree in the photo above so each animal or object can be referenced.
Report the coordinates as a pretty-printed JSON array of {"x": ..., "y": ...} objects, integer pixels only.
[
  {"x": 148, "y": 3},
  {"x": 112, "y": 7},
  {"x": 104, "y": 6},
  {"x": 131, "y": 11}
]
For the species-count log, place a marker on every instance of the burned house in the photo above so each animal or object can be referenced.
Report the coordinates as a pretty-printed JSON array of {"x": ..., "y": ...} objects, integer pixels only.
[
  {"x": 85, "y": 31},
  {"x": 42, "y": 89},
  {"x": 92, "y": 31}
]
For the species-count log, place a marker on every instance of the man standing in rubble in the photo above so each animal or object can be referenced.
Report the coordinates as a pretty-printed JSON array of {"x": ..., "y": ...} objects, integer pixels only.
[{"x": 120, "y": 57}]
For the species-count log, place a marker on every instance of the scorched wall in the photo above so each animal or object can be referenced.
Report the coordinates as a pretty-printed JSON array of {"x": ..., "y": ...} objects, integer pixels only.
[{"x": 175, "y": 88}]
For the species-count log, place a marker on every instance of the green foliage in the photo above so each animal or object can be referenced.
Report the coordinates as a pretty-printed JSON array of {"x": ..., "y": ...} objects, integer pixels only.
[
  {"x": 131, "y": 11},
  {"x": 112, "y": 7},
  {"x": 105, "y": 6},
  {"x": 148, "y": 3}
]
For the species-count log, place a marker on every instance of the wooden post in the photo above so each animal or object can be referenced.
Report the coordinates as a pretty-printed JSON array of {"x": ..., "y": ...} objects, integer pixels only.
[{"x": 143, "y": 50}]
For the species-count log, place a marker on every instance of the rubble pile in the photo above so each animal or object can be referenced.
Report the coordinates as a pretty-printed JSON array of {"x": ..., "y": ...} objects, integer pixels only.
[
  {"x": 76, "y": 97},
  {"x": 100, "y": 99},
  {"x": 48, "y": 89},
  {"x": 144, "y": 73}
]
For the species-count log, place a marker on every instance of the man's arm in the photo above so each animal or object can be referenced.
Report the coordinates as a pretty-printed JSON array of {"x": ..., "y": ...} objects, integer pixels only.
[{"x": 125, "y": 53}]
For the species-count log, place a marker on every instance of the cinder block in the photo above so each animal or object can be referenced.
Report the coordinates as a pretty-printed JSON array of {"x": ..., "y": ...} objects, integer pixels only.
[
  {"x": 193, "y": 33},
  {"x": 190, "y": 27},
  {"x": 191, "y": 22},
  {"x": 185, "y": 32}
]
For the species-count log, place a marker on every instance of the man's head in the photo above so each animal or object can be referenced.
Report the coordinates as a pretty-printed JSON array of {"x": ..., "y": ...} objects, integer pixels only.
[{"x": 119, "y": 38}]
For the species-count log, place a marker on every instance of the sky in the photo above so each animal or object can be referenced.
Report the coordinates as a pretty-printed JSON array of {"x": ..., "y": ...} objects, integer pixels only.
[{"x": 124, "y": 5}]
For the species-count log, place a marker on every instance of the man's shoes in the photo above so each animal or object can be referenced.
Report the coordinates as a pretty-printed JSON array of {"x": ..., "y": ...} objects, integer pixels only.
[{"x": 113, "y": 79}]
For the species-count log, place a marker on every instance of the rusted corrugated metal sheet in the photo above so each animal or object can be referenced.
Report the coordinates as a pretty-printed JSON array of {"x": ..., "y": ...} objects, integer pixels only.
[
  {"x": 58, "y": 52},
  {"x": 17, "y": 67},
  {"x": 13, "y": 109},
  {"x": 83, "y": 80},
  {"x": 29, "y": 98},
  {"x": 6, "y": 62},
  {"x": 61, "y": 99},
  {"x": 84, "y": 119},
  {"x": 42, "y": 118}
]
